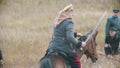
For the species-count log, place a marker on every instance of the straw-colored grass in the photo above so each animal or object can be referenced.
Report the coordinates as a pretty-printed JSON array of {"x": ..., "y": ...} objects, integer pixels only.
[{"x": 26, "y": 29}]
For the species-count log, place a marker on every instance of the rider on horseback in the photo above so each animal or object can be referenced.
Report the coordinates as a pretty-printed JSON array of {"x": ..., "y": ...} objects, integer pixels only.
[
  {"x": 112, "y": 40},
  {"x": 63, "y": 39}
]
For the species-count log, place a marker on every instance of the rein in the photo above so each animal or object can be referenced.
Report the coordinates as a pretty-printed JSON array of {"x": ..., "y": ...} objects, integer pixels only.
[
  {"x": 91, "y": 48},
  {"x": 93, "y": 45}
]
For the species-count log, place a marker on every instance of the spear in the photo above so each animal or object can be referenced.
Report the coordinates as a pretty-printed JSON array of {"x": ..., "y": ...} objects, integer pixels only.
[{"x": 98, "y": 24}]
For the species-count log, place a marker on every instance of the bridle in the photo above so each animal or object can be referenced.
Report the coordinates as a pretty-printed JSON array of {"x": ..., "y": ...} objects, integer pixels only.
[{"x": 91, "y": 49}]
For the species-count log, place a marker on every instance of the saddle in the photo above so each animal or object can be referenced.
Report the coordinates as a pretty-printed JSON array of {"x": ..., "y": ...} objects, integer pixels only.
[
  {"x": 61, "y": 54},
  {"x": 57, "y": 52}
]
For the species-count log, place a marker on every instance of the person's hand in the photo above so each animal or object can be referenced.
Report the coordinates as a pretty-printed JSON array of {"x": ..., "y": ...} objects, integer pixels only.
[
  {"x": 106, "y": 45},
  {"x": 1, "y": 61},
  {"x": 83, "y": 44},
  {"x": 109, "y": 56},
  {"x": 79, "y": 34}
]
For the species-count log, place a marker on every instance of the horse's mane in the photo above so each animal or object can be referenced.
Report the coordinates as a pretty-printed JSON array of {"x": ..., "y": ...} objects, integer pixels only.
[{"x": 84, "y": 37}]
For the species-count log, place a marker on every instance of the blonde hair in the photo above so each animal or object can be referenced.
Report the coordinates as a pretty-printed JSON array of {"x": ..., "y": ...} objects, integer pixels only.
[
  {"x": 68, "y": 8},
  {"x": 63, "y": 14}
]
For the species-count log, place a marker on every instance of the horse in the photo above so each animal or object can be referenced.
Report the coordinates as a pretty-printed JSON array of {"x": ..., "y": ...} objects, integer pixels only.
[{"x": 55, "y": 60}]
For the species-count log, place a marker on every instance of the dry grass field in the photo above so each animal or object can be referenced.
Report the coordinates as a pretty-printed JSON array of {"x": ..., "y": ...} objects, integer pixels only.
[{"x": 26, "y": 28}]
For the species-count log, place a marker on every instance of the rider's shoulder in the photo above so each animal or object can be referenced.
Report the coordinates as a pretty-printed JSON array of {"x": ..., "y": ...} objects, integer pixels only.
[
  {"x": 110, "y": 18},
  {"x": 68, "y": 21}
]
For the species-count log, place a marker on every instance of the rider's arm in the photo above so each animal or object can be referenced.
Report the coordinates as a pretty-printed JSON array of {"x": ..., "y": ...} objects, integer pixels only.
[
  {"x": 77, "y": 34},
  {"x": 70, "y": 35}
]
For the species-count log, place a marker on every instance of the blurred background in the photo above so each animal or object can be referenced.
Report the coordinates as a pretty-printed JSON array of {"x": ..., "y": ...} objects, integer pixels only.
[{"x": 26, "y": 29}]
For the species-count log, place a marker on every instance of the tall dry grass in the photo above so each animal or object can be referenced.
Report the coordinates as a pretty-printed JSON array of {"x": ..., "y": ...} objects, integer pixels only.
[{"x": 26, "y": 29}]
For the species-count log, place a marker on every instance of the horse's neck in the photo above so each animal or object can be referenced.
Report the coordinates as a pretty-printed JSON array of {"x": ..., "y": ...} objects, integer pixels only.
[{"x": 80, "y": 52}]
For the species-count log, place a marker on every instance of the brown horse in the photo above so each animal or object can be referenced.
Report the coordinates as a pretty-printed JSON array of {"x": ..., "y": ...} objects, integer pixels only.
[{"x": 54, "y": 60}]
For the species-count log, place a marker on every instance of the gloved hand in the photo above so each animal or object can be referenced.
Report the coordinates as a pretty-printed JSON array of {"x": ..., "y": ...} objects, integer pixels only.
[
  {"x": 109, "y": 56},
  {"x": 79, "y": 34},
  {"x": 83, "y": 44},
  {"x": 106, "y": 45}
]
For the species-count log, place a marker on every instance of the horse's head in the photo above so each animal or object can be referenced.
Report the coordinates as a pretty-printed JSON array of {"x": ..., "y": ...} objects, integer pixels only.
[{"x": 90, "y": 49}]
